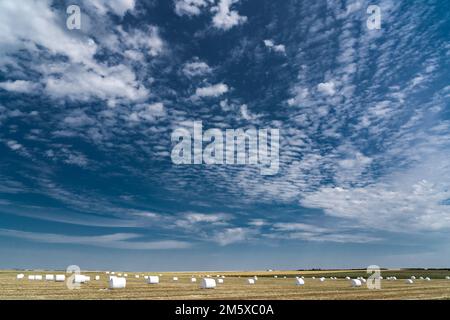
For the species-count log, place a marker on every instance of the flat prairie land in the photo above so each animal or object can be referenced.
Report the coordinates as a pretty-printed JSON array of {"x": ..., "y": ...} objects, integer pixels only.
[{"x": 234, "y": 287}]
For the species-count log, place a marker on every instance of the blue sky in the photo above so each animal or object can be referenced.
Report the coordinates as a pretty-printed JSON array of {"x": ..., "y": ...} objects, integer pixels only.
[{"x": 86, "y": 118}]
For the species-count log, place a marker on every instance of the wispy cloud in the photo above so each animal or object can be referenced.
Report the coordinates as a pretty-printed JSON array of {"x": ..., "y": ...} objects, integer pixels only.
[{"x": 114, "y": 241}]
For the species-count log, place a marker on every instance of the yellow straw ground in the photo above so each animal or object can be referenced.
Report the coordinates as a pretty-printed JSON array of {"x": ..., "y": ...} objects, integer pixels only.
[{"x": 234, "y": 287}]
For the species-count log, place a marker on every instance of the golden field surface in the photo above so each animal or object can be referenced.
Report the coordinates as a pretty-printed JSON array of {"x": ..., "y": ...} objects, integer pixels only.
[{"x": 234, "y": 287}]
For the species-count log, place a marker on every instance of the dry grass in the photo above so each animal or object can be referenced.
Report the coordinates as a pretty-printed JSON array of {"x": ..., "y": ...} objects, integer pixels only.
[{"x": 234, "y": 287}]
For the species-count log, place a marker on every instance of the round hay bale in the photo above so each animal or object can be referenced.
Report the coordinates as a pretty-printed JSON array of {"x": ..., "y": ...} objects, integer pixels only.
[
  {"x": 193, "y": 280},
  {"x": 97, "y": 278},
  {"x": 299, "y": 282},
  {"x": 322, "y": 279},
  {"x": 117, "y": 283},
  {"x": 175, "y": 278},
  {"x": 251, "y": 281},
  {"x": 208, "y": 283},
  {"x": 413, "y": 278},
  {"x": 49, "y": 277},
  {"x": 152, "y": 279},
  {"x": 31, "y": 277},
  {"x": 79, "y": 278},
  {"x": 38, "y": 277},
  {"x": 356, "y": 283},
  {"x": 220, "y": 281},
  {"x": 409, "y": 281},
  {"x": 60, "y": 278},
  {"x": 427, "y": 279},
  {"x": 20, "y": 276}
]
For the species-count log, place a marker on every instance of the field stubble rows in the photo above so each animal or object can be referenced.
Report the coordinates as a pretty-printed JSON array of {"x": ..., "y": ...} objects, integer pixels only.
[{"x": 234, "y": 287}]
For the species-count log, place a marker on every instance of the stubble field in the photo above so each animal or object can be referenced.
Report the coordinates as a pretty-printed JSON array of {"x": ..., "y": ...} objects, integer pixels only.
[{"x": 234, "y": 287}]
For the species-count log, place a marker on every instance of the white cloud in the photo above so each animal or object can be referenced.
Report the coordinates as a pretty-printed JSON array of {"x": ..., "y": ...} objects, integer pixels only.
[
  {"x": 233, "y": 235},
  {"x": 224, "y": 17},
  {"x": 109, "y": 83},
  {"x": 14, "y": 145},
  {"x": 189, "y": 7},
  {"x": 118, "y": 7},
  {"x": 114, "y": 241},
  {"x": 36, "y": 27},
  {"x": 196, "y": 68},
  {"x": 19, "y": 86},
  {"x": 413, "y": 200},
  {"x": 149, "y": 112},
  {"x": 147, "y": 40},
  {"x": 327, "y": 88},
  {"x": 212, "y": 91},
  {"x": 272, "y": 46}
]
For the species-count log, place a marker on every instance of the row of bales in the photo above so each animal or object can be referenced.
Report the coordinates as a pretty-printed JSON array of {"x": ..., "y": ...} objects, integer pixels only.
[{"x": 119, "y": 280}]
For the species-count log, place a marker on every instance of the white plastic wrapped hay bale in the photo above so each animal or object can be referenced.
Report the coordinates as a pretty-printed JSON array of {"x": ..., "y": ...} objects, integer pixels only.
[
  {"x": 60, "y": 278},
  {"x": 97, "y": 278},
  {"x": 113, "y": 272},
  {"x": 299, "y": 282},
  {"x": 275, "y": 277},
  {"x": 251, "y": 281},
  {"x": 153, "y": 279},
  {"x": 255, "y": 277},
  {"x": 314, "y": 278},
  {"x": 107, "y": 272},
  {"x": 208, "y": 283},
  {"x": 38, "y": 277},
  {"x": 31, "y": 277},
  {"x": 409, "y": 281},
  {"x": 20, "y": 276},
  {"x": 80, "y": 278},
  {"x": 125, "y": 275},
  {"x": 49, "y": 277},
  {"x": 193, "y": 279},
  {"x": 322, "y": 279},
  {"x": 220, "y": 281},
  {"x": 421, "y": 278},
  {"x": 427, "y": 279},
  {"x": 117, "y": 283},
  {"x": 136, "y": 276},
  {"x": 175, "y": 278},
  {"x": 347, "y": 278},
  {"x": 356, "y": 283},
  {"x": 119, "y": 274},
  {"x": 447, "y": 277},
  {"x": 145, "y": 277},
  {"x": 413, "y": 278},
  {"x": 363, "y": 280}
]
